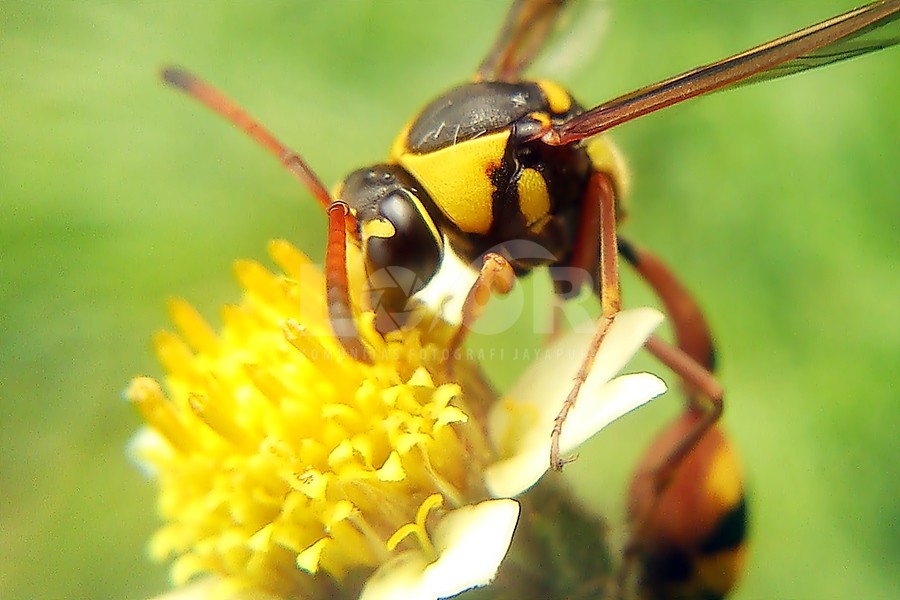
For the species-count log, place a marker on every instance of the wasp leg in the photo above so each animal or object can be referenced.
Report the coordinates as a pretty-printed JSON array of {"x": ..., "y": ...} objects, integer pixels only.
[
  {"x": 557, "y": 316},
  {"x": 527, "y": 25},
  {"x": 696, "y": 377},
  {"x": 692, "y": 334},
  {"x": 600, "y": 207},
  {"x": 585, "y": 260},
  {"x": 694, "y": 361},
  {"x": 337, "y": 287},
  {"x": 693, "y": 443},
  {"x": 496, "y": 277}
]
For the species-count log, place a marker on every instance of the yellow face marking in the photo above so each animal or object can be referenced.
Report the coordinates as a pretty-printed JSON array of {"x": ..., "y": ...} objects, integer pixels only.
[
  {"x": 558, "y": 98},
  {"x": 378, "y": 228},
  {"x": 458, "y": 179},
  {"x": 429, "y": 222},
  {"x": 534, "y": 199}
]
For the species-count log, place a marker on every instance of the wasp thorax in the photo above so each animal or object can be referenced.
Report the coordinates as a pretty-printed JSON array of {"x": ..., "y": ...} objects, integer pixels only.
[{"x": 401, "y": 245}]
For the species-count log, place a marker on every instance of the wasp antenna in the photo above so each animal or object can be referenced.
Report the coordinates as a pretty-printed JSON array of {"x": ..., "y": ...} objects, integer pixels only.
[
  {"x": 337, "y": 286},
  {"x": 216, "y": 101},
  {"x": 178, "y": 77}
]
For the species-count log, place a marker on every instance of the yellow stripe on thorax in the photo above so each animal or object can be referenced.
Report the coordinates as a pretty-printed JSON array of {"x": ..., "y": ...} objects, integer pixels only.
[
  {"x": 458, "y": 179},
  {"x": 558, "y": 99},
  {"x": 534, "y": 199}
]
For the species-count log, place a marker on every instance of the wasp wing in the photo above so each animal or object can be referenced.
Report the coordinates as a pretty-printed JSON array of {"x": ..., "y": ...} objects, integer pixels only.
[
  {"x": 866, "y": 29},
  {"x": 526, "y": 27}
]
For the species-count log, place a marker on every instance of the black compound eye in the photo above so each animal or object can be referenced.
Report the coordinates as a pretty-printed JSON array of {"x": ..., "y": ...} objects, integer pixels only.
[
  {"x": 402, "y": 237},
  {"x": 401, "y": 244},
  {"x": 402, "y": 250}
]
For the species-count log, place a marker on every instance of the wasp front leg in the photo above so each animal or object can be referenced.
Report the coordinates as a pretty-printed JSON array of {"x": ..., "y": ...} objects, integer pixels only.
[{"x": 496, "y": 276}]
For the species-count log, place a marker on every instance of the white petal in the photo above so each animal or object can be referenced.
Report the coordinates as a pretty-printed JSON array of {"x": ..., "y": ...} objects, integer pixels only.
[
  {"x": 471, "y": 543},
  {"x": 625, "y": 337},
  {"x": 548, "y": 380},
  {"x": 596, "y": 408},
  {"x": 520, "y": 424},
  {"x": 143, "y": 445},
  {"x": 398, "y": 579},
  {"x": 599, "y": 406},
  {"x": 512, "y": 476}
]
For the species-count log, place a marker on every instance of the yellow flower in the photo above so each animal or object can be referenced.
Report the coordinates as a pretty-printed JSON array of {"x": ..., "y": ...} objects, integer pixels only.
[{"x": 287, "y": 468}]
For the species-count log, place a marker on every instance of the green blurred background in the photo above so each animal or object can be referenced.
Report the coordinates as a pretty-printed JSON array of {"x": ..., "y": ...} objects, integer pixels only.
[{"x": 778, "y": 204}]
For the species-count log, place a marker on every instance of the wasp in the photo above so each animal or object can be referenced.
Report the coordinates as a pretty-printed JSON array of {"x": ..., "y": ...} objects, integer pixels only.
[{"x": 509, "y": 174}]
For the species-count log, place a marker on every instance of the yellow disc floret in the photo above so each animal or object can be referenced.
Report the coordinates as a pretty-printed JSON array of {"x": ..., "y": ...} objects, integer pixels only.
[{"x": 285, "y": 465}]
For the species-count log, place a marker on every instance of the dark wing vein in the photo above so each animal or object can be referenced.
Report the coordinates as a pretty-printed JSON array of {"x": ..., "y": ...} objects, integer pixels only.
[{"x": 867, "y": 29}]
